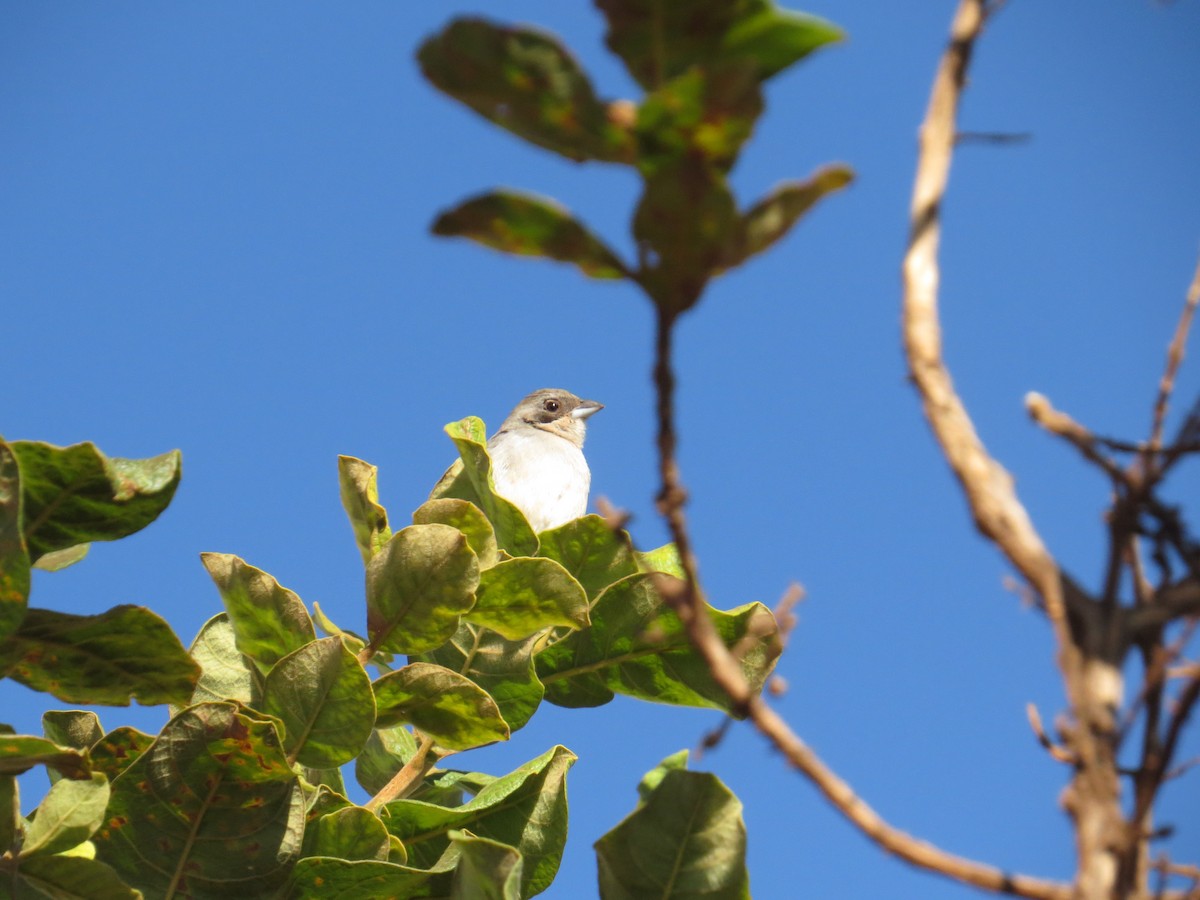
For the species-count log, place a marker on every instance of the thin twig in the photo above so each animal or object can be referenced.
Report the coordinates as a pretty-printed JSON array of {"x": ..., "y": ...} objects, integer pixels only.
[
  {"x": 1056, "y": 751},
  {"x": 1061, "y": 424},
  {"x": 1174, "y": 359},
  {"x": 409, "y": 776}
]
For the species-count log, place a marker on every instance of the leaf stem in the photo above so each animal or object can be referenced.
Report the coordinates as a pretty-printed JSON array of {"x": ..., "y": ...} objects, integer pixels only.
[{"x": 404, "y": 781}]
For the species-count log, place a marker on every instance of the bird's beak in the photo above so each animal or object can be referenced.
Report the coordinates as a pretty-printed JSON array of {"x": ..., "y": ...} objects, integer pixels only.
[{"x": 585, "y": 409}]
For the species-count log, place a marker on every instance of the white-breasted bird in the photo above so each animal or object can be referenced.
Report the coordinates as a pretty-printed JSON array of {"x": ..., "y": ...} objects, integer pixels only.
[{"x": 537, "y": 457}]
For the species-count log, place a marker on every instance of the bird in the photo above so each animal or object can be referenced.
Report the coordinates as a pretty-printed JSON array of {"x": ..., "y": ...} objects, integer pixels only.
[{"x": 537, "y": 457}]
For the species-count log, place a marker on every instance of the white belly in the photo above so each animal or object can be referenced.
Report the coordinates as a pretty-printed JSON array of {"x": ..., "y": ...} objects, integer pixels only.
[{"x": 544, "y": 475}]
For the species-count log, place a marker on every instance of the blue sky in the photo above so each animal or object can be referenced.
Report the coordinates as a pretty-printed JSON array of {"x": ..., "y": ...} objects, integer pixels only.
[{"x": 214, "y": 236}]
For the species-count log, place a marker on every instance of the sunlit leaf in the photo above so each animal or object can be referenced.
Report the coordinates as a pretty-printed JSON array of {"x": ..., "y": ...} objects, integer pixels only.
[
  {"x": 268, "y": 620},
  {"x": 445, "y": 705},
  {"x": 21, "y": 752},
  {"x": 520, "y": 597},
  {"x": 467, "y": 518},
  {"x": 68, "y": 878},
  {"x": 774, "y": 38},
  {"x": 418, "y": 587},
  {"x": 212, "y": 809},
  {"x": 72, "y": 727},
  {"x": 591, "y": 551},
  {"x": 664, "y": 559},
  {"x": 326, "y": 878},
  {"x": 501, "y": 667},
  {"x": 117, "y": 750},
  {"x": 74, "y": 495},
  {"x": 470, "y": 479},
  {"x": 323, "y": 697},
  {"x": 127, "y": 653},
  {"x": 57, "y": 560},
  {"x": 526, "y": 82},
  {"x": 637, "y": 646},
  {"x": 67, "y": 815},
  {"x": 225, "y": 672},
  {"x": 526, "y": 809},
  {"x": 385, "y": 753},
  {"x": 685, "y": 839},
  {"x": 348, "y": 833},
  {"x": 360, "y": 497}
]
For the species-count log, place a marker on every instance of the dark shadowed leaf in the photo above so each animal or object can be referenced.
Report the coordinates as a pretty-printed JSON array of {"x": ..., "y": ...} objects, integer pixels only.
[
  {"x": 685, "y": 839},
  {"x": 323, "y": 697},
  {"x": 14, "y": 558},
  {"x": 360, "y": 497},
  {"x": 20, "y": 753},
  {"x": 117, "y": 750},
  {"x": 520, "y": 597},
  {"x": 706, "y": 113},
  {"x": 68, "y": 878},
  {"x": 269, "y": 621},
  {"x": 526, "y": 82},
  {"x": 526, "y": 809},
  {"x": 486, "y": 870},
  {"x": 10, "y": 810},
  {"x": 637, "y": 646},
  {"x": 385, "y": 753},
  {"x": 418, "y": 587},
  {"x": 348, "y": 833},
  {"x": 590, "y": 551},
  {"x": 773, "y": 216},
  {"x": 467, "y": 518},
  {"x": 125, "y": 654},
  {"x": 326, "y": 878},
  {"x": 72, "y": 727},
  {"x": 445, "y": 705},
  {"x": 225, "y": 672},
  {"x": 525, "y": 225},
  {"x": 470, "y": 479},
  {"x": 684, "y": 224},
  {"x": 67, "y": 816},
  {"x": 74, "y": 495},
  {"x": 211, "y": 810},
  {"x": 501, "y": 667}
]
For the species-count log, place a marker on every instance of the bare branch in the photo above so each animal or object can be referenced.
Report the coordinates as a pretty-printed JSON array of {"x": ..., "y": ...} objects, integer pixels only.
[
  {"x": 1059, "y": 753},
  {"x": 1061, "y": 424},
  {"x": 1174, "y": 360}
]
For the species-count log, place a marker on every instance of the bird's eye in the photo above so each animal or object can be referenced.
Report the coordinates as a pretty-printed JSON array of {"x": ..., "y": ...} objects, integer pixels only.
[{"x": 550, "y": 406}]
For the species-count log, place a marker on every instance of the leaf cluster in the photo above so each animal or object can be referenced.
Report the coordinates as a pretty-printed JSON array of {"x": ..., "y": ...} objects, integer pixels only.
[{"x": 702, "y": 66}]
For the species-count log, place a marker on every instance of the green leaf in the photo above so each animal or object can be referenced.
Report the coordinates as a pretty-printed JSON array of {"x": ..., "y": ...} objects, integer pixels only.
[
  {"x": 348, "y": 833},
  {"x": 269, "y": 621},
  {"x": 486, "y": 870},
  {"x": 385, "y": 753},
  {"x": 686, "y": 839},
  {"x": 10, "y": 811},
  {"x": 526, "y": 809},
  {"x": 225, "y": 672},
  {"x": 591, "y": 551},
  {"x": 125, "y": 654},
  {"x": 773, "y": 216},
  {"x": 501, "y": 667},
  {"x": 677, "y": 761},
  {"x": 14, "y": 557},
  {"x": 526, "y": 82},
  {"x": 467, "y": 518},
  {"x": 326, "y": 878},
  {"x": 57, "y": 560},
  {"x": 74, "y": 495},
  {"x": 660, "y": 39},
  {"x": 470, "y": 479},
  {"x": 418, "y": 587},
  {"x": 774, "y": 38},
  {"x": 445, "y": 705},
  {"x": 323, "y": 697},
  {"x": 525, "y": 225},
  {"x": 684, "y": 223},
  {"x": 20, "y": 753},
  {"x": 360, "y": 497},
  {"x": 75, "y": 728},
  {"x": 67, "y": 816},
  {"x": 637, "y": 646},
  {"x": 448, "y": 787},
  {"x": 664, "y": 559},
  {"x": 705, "y": 113},
  {"x": 520, "y": 597},
  {"x": 117, "y": 750},
  {"x": 211, "y": 810},
  {"x": 68, "y": 878}
]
